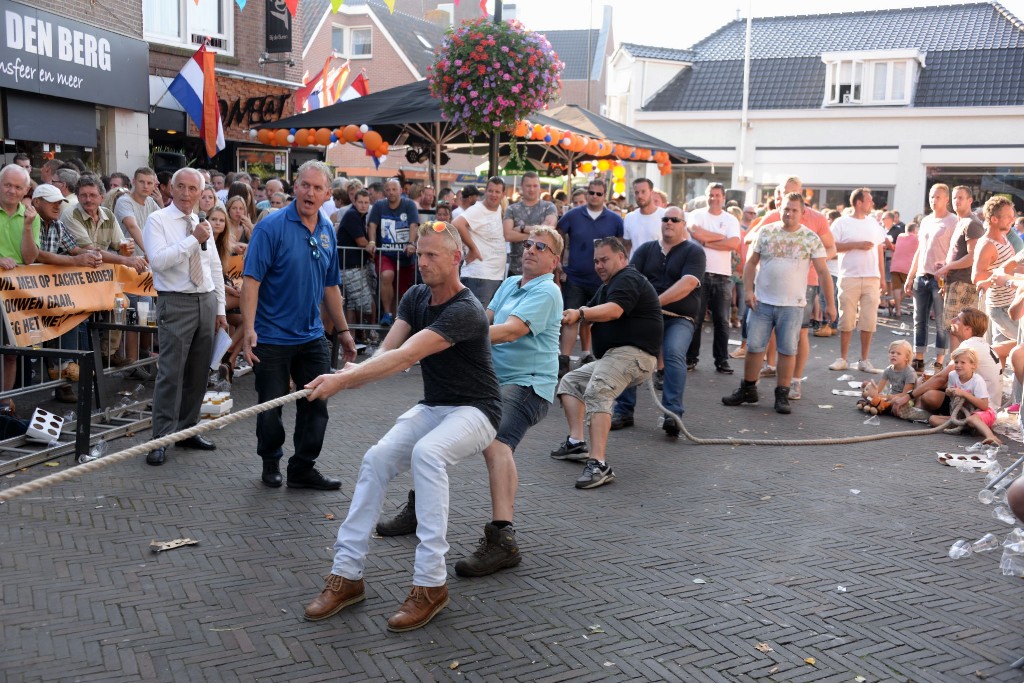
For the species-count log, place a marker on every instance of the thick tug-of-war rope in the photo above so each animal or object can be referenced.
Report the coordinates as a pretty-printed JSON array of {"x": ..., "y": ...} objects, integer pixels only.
[
  {"x": 163, "y": 441},
  {"x": 956, "y": 420},
  {"x": 958, "y": 416}
]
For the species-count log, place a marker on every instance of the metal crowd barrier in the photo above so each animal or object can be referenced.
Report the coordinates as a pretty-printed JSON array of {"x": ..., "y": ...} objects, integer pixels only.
[{"x": 92, "y": 389}]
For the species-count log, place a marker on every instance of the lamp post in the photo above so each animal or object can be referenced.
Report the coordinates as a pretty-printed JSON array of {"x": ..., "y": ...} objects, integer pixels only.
[{"x": 492, "y": 155}]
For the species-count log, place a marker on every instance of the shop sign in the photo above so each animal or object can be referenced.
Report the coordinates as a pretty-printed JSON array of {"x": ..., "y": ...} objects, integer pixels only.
[
  {"x": 48, "y": 54},
  {"x": 253, "y": 111}
]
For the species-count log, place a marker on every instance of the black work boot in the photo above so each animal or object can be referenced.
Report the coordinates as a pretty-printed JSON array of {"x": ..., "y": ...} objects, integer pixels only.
[
  {"x": 402, "y": 524},
  {"x": 498, "y": 549},
  {"x": 782, "y": 400},
  {"x": 747, "y": 393}
]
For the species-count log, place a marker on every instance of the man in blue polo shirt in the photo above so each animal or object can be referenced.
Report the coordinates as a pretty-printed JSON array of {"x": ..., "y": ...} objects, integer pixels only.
[
  {"x": 291, "y": 266},
  {"x": 580, "y": 227},
  {"x": 525, "y": 315}
]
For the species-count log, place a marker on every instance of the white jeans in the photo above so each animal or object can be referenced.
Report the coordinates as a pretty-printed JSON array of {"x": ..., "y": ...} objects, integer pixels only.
[{"x": 425, "y": 439}]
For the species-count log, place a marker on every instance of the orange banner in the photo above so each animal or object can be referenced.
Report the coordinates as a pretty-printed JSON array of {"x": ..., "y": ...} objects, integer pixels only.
[{"x": 43, "y": 302}]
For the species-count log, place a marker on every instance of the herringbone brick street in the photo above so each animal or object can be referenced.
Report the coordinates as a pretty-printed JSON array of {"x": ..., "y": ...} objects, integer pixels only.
[{"x": 824, "y": 563}]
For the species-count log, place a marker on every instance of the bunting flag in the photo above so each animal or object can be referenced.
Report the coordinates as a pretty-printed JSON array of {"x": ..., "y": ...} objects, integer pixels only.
[
  {"x": 359, "y": 87},
  {"x": 292, "y": 6},
  {"x": 391, "y": 5},
  {"x": 336, "y": 5},
  {"x": 241, "y": 4},
  {"x": 196, "y": 90}
]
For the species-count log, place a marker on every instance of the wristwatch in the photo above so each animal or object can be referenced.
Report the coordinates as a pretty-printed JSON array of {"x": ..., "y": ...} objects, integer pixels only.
[{"x": 583, "y": 316}]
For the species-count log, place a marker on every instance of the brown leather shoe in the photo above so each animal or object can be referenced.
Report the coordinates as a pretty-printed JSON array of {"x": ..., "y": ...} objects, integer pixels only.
[
  {"x": 337, "y": 594},
  {"x": 420, "y": 607}
]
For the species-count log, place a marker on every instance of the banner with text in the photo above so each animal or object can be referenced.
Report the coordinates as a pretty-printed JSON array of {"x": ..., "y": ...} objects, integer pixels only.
[{"x": 43, "y": 302}]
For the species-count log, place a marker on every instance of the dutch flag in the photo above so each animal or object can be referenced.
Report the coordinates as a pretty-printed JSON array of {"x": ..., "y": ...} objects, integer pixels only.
[{"x": 196, "y": 90}]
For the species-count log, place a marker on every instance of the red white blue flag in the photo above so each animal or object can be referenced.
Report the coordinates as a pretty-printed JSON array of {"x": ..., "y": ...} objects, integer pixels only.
[{"x": 196, "y": 90}]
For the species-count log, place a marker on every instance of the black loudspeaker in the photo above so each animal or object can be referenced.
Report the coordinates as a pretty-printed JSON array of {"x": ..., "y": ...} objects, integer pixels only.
[{"x": 168, "y": 161}]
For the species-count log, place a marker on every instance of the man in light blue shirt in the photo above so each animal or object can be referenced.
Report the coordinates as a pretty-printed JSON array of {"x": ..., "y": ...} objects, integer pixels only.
[{"x": 526, "y": 320}]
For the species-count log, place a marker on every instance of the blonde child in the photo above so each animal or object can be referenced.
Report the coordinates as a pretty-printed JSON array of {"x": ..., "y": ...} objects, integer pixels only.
[
  {"x": 964, "y": 382},
  {"x": 898, "y": 378}
]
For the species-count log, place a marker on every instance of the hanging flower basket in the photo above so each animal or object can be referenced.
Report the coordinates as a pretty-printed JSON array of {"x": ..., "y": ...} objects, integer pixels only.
[{"x": 488, "y": 76}]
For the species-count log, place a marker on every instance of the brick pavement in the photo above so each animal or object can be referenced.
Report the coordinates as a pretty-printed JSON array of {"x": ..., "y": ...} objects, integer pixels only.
[{"x": 607, "y": 588}]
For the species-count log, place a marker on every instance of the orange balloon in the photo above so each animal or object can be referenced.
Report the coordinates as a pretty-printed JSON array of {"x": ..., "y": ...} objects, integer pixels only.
[
  {"x": 383, "y": 148},
  {"x": 538, "y": 132},
  {"x": 265, "y": 136},
  {"x": 281, "y": 136},
  {"x": 323, "y": 136},
  {"x": 591, "y": 148},
  {"x": 351, "y": 132},
  {"x": 586, "y": 167},
  {"x": 372, "y": 140},
  {"x": 300, "y": 136},
  {"x": 520, "y": 131}
]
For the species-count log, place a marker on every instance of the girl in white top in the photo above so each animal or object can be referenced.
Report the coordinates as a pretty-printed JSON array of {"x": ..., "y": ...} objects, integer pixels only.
[{"x": 965, "y": 383}]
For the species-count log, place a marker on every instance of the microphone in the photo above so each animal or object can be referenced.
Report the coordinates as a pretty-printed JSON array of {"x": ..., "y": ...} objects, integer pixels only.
[{"x": 202, "y": 217}]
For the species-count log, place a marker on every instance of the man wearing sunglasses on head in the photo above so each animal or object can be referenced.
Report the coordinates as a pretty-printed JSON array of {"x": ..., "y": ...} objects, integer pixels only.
[
  {"x": 525, "y": 316},
  {"x": 580, "y": 227},
  {"x": 442, "y": 326},
  {"x": 291, "y": 268}
]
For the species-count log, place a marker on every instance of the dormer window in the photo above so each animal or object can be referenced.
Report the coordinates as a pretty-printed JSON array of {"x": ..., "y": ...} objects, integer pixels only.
[{"x": 871, "y": 77}]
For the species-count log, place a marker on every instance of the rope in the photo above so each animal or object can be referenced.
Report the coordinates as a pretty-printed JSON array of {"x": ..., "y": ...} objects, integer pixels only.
[
  {"x": 956, "y": 406},
  {"x": 161, "y": 442}
]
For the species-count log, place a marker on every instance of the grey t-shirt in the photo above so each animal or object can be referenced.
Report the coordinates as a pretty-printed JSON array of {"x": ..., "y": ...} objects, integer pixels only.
[
  {"x": 897, "y": 379},
  {"x": 523, "y": 218},
  {"x": 463, "y": 374},
  {"x": 126, "y": 206},
  {"x": 969, "y": 228}
]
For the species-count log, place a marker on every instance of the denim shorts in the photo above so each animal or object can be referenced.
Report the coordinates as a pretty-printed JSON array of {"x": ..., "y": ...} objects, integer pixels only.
[
  {"x": 574, "y": 296},
  {"x": 521, "y": 408},
  {"x": 785, "y": 320}
]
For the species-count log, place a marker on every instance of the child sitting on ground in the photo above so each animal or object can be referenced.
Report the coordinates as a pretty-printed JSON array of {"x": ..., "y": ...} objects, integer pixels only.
[
  {"x": 898, "y": 378},
  {"x": 965, "y": 383}
]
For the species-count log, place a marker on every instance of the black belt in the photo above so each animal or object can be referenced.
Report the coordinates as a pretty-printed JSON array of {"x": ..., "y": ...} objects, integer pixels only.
[
  {"x": 183, "y": 293},
  {"x": 716, "y": 275}
]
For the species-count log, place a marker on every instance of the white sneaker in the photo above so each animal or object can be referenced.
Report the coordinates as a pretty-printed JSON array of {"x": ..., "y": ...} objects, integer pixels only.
[
  {"x": 840, "y": 364},
  {"x": 866, "y": 366},
  {"x": 794, "y": 390}
]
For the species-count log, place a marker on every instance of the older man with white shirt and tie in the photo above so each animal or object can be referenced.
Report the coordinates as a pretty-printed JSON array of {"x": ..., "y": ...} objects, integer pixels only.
[{"x": 189, "y": 309}]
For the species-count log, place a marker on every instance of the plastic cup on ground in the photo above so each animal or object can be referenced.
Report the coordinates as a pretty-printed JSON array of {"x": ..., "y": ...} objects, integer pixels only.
[{"x": 985, "y": 543}]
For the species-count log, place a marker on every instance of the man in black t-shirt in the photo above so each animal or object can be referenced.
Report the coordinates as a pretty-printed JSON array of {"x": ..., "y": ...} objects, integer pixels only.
[
  {"x": 626, "y": 328},
  {"x": 675, "y": 266},
  {"x": 443, "y": 326},
  {"x": 357, "y": 281}
]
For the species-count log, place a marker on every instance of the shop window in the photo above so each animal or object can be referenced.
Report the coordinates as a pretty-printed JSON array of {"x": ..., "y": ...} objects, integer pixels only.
[
  {"x": 352, "y": 43},
  {"x": 188, "y": 24}
]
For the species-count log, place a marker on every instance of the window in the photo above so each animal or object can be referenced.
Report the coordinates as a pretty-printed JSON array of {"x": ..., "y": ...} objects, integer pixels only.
[
  {"x": 872, "y": 77},
  {"x": 188, "y": 24},
  {"x": 424, "y": 42},
  {"x": 362, "y": 42},
  {"x": 845, "y": 82},
  {"x": 354, "y": 43}
]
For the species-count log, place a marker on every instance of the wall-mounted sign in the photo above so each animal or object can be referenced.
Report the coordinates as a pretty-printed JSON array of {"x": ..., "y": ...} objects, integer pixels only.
[
  {"x": 48, "y": 54},
  {"x": 253, "y": 110},
  {"x": 279, "y": 27}
]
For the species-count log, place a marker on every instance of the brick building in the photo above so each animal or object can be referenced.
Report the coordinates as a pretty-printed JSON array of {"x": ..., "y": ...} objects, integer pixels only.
[{"x": 256, "y": 78}]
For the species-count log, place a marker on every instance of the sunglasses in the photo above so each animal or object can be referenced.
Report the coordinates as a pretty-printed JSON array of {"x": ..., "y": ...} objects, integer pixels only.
[
  {"x": 314, "y": 247},
  {"x": 594, "y": 193},
  {"x": 441, "y": 226},
  {"x": 671, "y": 219},
  {"x": 538, "y": 245}
]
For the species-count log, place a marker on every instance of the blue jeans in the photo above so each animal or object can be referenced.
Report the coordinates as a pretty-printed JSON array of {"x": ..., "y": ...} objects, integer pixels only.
[
  {"x": 716, "y": 295},
  {"x": 678, "y": 334},
  {"x": 302, "y": 363},
  {"x": 927, "y": 298}
]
